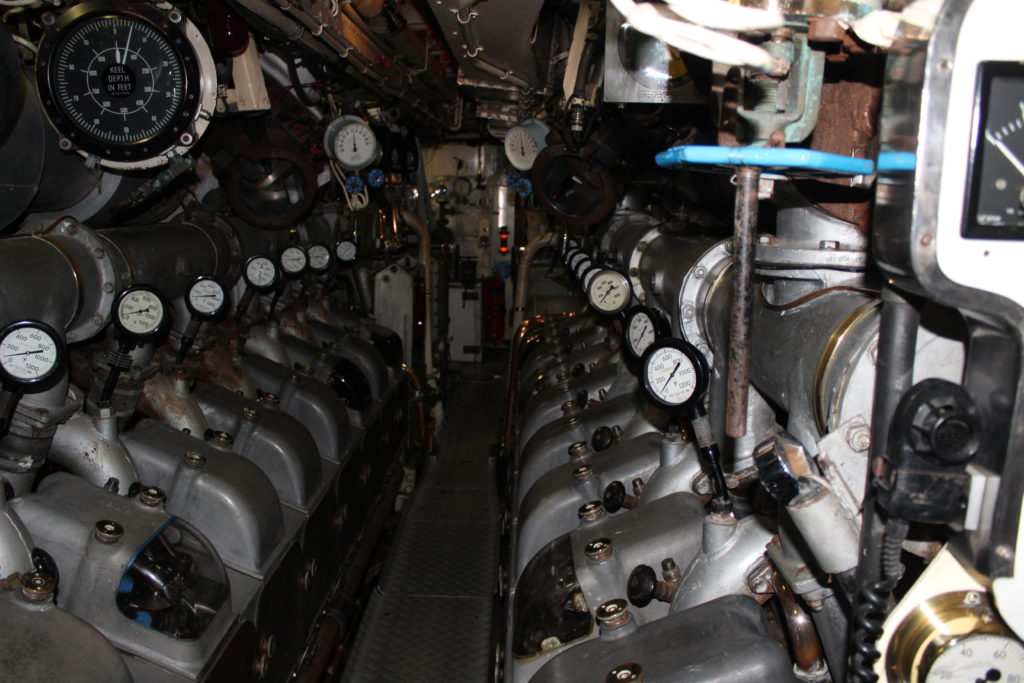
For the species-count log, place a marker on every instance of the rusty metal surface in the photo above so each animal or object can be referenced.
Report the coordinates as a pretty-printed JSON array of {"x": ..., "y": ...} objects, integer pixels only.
[{"x": 738, "y": 382}]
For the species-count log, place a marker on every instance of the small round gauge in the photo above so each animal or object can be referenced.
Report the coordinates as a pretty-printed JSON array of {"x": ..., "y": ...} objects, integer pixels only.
[
  {"x": 609, "y": 292},
  {"x": 294, "y": 260},
  {"x": 674, "y": 374},
  {"x": 979, "y": 657},
  {"x": 643, "y": 327},
  {"x": 588, "y": 276},
  {"x": 260, "y": 273},
  {"x": 319, "y": 257},
  {"x": 206, "y": 298},
  {"x": 30, "y": 352},
  {"x": 575, "y": 258},
  {"x": 582, "y": 266},
  {"x": 139, "y": 313},
  {"x": 346, "y": 251},
  {"x": 524, "y": 142},
  {"x": 125, "y": 82},
  {"x": 351, "y": 143}
]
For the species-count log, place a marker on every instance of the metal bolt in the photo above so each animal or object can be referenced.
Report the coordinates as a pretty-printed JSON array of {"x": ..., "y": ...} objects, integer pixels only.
[
  {"x": 152, "y": 496},
  {"x": 186, "y": 139},
  {"x": 562, "y": 376},
  {"x": 569, "y": 406},
  {"x": 36, "y": 586},
  {"x": 48, "y": 18},
  {"x": 98, "y": 252},
  {"x": 613, "y": 614},
  {"x": 583, "y": 473},
  {"x": 579, "y": 602},
  {"x": 175, "y": 16},
  {"x": 97, "y": 320},
  {"x": 632, "y": 672},
  {"x": 1004, "y": 551},
  {"x": 564, "y": 386},
  {"x": 764, "y": 239},
  {"x": 688, "y": 311},
  {"x": 108, "y": 287},
  {"x": 293, "y": 379},
  {"x": 599, "y": 549},
  {"x": 972, "y": 598},
  {"x": 699, "y": 272},
  {"x": 64, "y": 143},
  {"x": 572, "y": 422},
  {"x": 270, "y": 399},
  {"x": 261, "y": 666},
  {"x": 591, "y": 512},
  {"x": 828, "y": 244},
  {"x": 250, "y": 414},
  {"x": 578, "y": 449},
  {"x": 223, "y": 438},
  {"x": 858, "y": 437},
  {"x": 108, "y": 531},
  {"x": 194, "y": 459}
]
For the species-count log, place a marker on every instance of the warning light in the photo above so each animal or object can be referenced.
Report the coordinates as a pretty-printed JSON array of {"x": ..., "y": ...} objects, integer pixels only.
[{"x": 503, "y": 247}]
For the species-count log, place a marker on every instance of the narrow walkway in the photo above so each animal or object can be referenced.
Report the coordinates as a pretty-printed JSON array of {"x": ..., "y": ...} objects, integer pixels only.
[{"x": 433, "y": 614}]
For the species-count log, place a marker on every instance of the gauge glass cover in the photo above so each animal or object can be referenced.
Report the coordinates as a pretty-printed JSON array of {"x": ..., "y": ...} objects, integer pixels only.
[
  {"x": 609, "y": 292},
  {"x": 640, "y": 332},
  {"x": 206, "y": 297},
  {"x": 140, "y": 312},
  {"x": 352, "y": 143},
  {"x": 670, "y": 376},
  {"x": 260, "y": 272},
  {"x": 294, "y": 260},
  {"x": 979, "y": 657},
  {"x": 319, "y": 257},
  {"x": 29, "y": 352},
  {"x": 346, "y": 251},
  {"x": 520, "y": 148},
  {"x": 588, "y": 277}
]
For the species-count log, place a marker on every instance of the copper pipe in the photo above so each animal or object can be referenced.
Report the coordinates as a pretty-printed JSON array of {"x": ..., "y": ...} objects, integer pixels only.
[
  {"x": 803, "y": 637},
  {"x": 514, "y": 360},
  {"x": 426, "y": 436}
]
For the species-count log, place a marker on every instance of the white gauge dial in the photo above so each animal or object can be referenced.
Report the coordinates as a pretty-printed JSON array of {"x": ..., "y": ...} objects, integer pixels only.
[
  {"x": 588, "y": 277},
  {"x": 294, "y": 260},
  {"x": 981, "y": 657},
  {"x": 670, "y": 376},
  {"x": 351, "y": 143},
  {"x": 206, "y": 296},
  {"x": 609, "y": 292},
  {"x": 28, "y": 353},
  {"x": 582, "y": 266},
  {"x": 641, "y": 333},
  {"x": 524, "y": 142},
  {"x": 575, "y": 259},
  {"x": 260, "y": 272},
  {"x": 140, "y": 312},
  {"x": 319, "y": 257},
  {"x": 346, "y": 251}
]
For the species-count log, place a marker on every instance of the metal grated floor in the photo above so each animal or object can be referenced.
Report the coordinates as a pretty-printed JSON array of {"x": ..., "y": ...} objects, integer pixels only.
[{"x": 433, "y": 614}]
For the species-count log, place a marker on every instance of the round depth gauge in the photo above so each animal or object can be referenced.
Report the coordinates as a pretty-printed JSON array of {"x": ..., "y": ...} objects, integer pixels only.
[
  {"x": 524, "y": 142},
  {"x": 139, "y": 313},
  {"x": 319, "y": 257},
  {"x": 126, "y": 81},
  {"x": 260, "y": 273},
  {"x": 674, "y": 374},
  {"x": 609, "y": 292},
  {"x": 294, "y": 260},
  {"x": 346, "y": 251},
  {"x": 206, "y": 298},
  {"x": 30, "y": 352},
  {"x": 351, "y": 143},
  {"x": 643, "y": 327}
]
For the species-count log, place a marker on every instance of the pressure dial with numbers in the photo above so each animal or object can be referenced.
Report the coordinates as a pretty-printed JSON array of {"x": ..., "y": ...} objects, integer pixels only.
[
  {"x": 319, "y": 257},
  {"x": 294, "y": 260},
  {"x": 609, "y": 292},
  {"x": 206, "y": 298},
  {"x": 674, "y": 374},
  {"x": 260, "y": 273},
  {"x": 644, "y": 326},
  {"x": 346, "y": 251},
  {"x": 351, "y": 143},
  {"x": 30, "y": 352},
  {"x": 139, "y": 313}
]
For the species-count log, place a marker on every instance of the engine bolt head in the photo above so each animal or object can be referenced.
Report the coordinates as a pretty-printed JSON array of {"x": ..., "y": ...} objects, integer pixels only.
[
  {"x": 630, "y": 673},
  {"x": 223, "y": 438},
  {"x": 569, "y": 406},
  {"x": 152, "y": 496},
  {"x": 250, "y": 414},
  {"x": 108, "y": 531},
  {"x": 270, "y": 399},
  {"x": 564, "y": 387},
  {"x": 578, "y": 449},
  {"x": 563, "y": 375},
  {"x": 583, "y": 473},
  {"x": 599, "y": 549},
  {"x": 613, "y": 614},
  {"x": 194, "y": 459},
  {"x": 37, "y": 585},
  {"x": 293, "y": 379},
  {"x": 591, "y": 512},
  {"x": 572, "y": 422}
]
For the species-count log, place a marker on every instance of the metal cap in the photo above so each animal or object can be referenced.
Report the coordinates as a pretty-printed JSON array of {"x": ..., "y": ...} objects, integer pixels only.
[
  {"x": 591, "y": 511},
  {"x": 599, "y": 549},
  {"x": 583, "y": 473},
  {"x": 37, "y": 585},
  {"x": 194, "y": 459},
  {"x": 578, "y": 449},
  {"x": 626, "y": 673},
  {"x": 613, "y": 614},
  {"x": 108, "y": 531}
]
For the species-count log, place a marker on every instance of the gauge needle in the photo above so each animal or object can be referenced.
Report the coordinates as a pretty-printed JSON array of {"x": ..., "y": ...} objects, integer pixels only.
[
  {"x": 643, "y": 332},
  {"x": 24, "y": 353},
  {"x": 141, "y": 310},
  {"x": 607, "y": 293},
  {"x": 1010, "y": 156},
  {"x": 671, "y": 375}
]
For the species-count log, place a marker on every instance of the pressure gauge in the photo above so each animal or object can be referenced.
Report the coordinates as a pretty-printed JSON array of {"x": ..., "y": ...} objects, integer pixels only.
[
  {"x": 139, "y": 313},
  {"x": 582, "y": 266},
  {"x": 260, "y": 273},
  {"x": 588, "y": 276},
  {"x": 642, "y": 328},
  {"x": 294, "y": 260},
  {"x": 126, "y": 82},
  {"x": 30, "y": 352},
  {"x": 609, "y": 292},
  {"x": 346, "y": 251},
  {"x": 575, "y": 258},
  {"x": 206, "y": 298},
  {"x": 319, "y": 257},
  {"x": 674, "y": 374},
  {"x": 981, "y": 657},
  {"x": 351, "y": 143},
  {"x": 524, "y": 142}
]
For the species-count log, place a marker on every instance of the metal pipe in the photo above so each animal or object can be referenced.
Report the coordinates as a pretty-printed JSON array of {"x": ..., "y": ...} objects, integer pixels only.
[
  {"x": 747, "y": 181},
  {"x": 425, "y": 258},
  {"x": 803, "y": 637},
  {"x": 88, "y": 447},
  {"x": 523, "y": 275}
]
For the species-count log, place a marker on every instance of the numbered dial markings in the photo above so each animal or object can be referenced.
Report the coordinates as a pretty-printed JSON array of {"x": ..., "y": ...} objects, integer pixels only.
[
  {"x": 319, "y": 257},
  {"x": 29, "y": 352},
  {"x": 206, "y": 297},
  {"x": 674, "y": 374},
  {"x": 140, "y": 312},
  {"x": 981, "y": 657},
  {"x": 260, "y": 272},
  {"x": 351, "y": 143},
  {"x": 520, "y": 148},
  {"x": 294, "y": 260},
  {"x": 641, "y": 332},
  {"x": 346, "y": 251},
  {"x": 609, "y": 292}
]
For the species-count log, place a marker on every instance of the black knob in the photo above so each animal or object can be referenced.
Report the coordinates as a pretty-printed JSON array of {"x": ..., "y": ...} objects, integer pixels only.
[
  {"x": 582, "y": 398},
  {"x": 578, "y": 370},
  {"x": 641, "y": 585},
  {"x": 944, "y": 425},
  {"x": 602, "y": 438},
  {"x": 774, "y": 472},
  {"x": 614, "y": 496}
]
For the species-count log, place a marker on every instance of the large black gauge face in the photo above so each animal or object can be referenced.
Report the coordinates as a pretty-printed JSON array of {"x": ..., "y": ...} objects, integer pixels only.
[
  {"x": 674, "y": 375},
  {"x": 121, "y": 84},
  {"x": 996, "y": 205},
  {"x": 30, "y": 352},
  {"x": 643, "y": 327}
]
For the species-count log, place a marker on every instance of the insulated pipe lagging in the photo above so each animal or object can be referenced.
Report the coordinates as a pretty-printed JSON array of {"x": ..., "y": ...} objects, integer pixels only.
[{"x": 523, "y": 275}]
